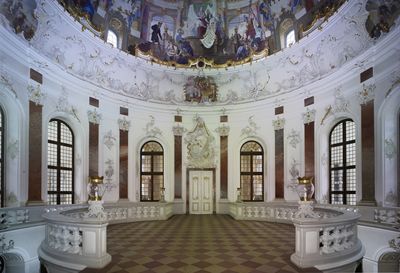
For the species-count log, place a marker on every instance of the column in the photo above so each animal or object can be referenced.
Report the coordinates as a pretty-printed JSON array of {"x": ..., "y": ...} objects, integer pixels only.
[
  {"x": 178, "y": 131},
  {"x": 124, "y": 125},
  {"x": 94, "y": 121},
  {"x": 223, "y": 131},
  {"x": 309, "y": 157},
  {"x": 279, "y": 124},
  {"x": 35, "y": 153},
  {"x": 367, "y": 146}
]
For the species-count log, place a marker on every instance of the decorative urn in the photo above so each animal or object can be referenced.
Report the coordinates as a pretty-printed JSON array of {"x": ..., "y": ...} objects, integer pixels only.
[
  {"x": 95, "y": 188},
  {"x": 305, "y": 188}
]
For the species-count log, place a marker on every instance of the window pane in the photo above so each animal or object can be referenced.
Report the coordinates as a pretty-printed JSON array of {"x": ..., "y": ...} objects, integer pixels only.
[
  {"x": 52, "y": 130},
  {"x": 66, "y": 134},
  {"x": 158, "y": 164},
  {"x": 66, "y": 157},
  {"x": 157, "y": 185},
  {"x": 290, "y": 39},
  {"x": 112, "y": 38},
  {"x": 351, "y": 154},
  {"x": 65, "y": 199},
  {"x": 52, "y": 180},
  {"x": 146, "y": 187},
  {"x": 351, "y": 199},
  {"x": 336, "y": 180},
  {"x": 245, "y": 163},
  {"x": 66, "y": 180},
  {"x": 257, "y": 187},
  {"x": 52, "y": 154},
  {"x": 251, "y": 146},
  {"x": 257, "y": 163},
  {"x": 52, "y": 199},
  {"x": 337, "y": 156},
  {"x": 337, "y": 134},
  {"x": 245, "y": 186},
  {"x": 337, "y": 199},
  {"x": 146, "y": 163},
  {"x": 351, "y": 179},
  {"x": 152, "y": 146},
  {"x": 350, "y": 130}
]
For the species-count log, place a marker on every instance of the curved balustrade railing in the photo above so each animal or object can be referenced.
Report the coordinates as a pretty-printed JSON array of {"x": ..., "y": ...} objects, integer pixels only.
[
  {"x": 75, "y": 240},
  {"x": 326, "y": 238}
]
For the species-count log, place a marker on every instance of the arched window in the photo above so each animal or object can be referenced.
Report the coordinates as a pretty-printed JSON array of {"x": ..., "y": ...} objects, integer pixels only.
[
  {"x": 151, "y": 171},
  {"x": 342, "y": 163},
  {"x": 112, "y": 38},
  {"x": 2, "y": 166},
  {"x": 60, "y": 158},
  {"x": 290, "y": 38},
  {"x": 252, "y": 171},
  {"x": 287, "y": 33}
]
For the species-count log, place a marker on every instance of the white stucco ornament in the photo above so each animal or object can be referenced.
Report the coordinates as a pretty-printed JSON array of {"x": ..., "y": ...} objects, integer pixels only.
[
  {"x": 200, "y": 146},
  {"x": 36, "y": 94},
  {"x": 63, "y": 105},
  {"x": 109, "y": 140},
  {"x": 223, "y": 129},
  {"x": 294, "y": 138},
  {"x": 124, "y": 124},
  {"x": 309, "y": 116},
  {"x": 13, "y": 148},
  {"x": 390, "y": 148},
  {"x": 279, "y": 123},
  {"x": 251, "y": 129},
  {"x": 6, "y": 80},
  {"x": 151, "y": 130},
  {"x": 109, "y": 173},
  {"x": 367, "y": 93},
  {"x": 94, "y": 116},
  {"x": 178, "y": 129}
]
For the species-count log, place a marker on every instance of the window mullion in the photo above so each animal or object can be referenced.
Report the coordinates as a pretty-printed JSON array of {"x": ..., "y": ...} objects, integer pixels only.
[{"x": 58, "y": 162}]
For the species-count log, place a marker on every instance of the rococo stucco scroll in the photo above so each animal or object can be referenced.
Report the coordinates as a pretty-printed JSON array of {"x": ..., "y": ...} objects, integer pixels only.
[{"x": 200, "y": 146}]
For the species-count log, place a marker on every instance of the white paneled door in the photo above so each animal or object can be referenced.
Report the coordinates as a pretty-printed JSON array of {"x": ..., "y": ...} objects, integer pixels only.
[{"x": 201, "y": 192}]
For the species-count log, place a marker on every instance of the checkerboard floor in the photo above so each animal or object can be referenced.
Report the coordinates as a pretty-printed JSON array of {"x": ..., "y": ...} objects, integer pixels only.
[{"x": 201, "y": 244}]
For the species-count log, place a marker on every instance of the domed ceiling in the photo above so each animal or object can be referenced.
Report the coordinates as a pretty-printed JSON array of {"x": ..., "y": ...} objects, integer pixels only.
[
  {"x": 57, "y": 41},
  {"x": 202, "y": 32}
]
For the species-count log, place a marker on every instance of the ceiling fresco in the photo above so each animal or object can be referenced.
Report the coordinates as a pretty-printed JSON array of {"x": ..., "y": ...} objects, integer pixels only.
[{"x": 202, "y": 33}]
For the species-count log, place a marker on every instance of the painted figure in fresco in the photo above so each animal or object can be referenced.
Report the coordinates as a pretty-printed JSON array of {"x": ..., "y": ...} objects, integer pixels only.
[
  {"x": 381, "y": 16},
  {"x": 236, "y": 40},
  {"x": 265, "y": 12},
  {"x": 86, "y": 7},
  {"x": 156, "y": 33},
  {"x": 243, "y": 51},
  {"x": 209, "y": 37},
  {"x": 294, "y": 5},
  {"x": 258, "y": 40},
  {"x": 250, "y": 31}
]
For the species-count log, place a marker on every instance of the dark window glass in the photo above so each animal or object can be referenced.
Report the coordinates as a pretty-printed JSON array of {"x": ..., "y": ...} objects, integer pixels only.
[
  {"x": 151, "y": 171},
  {"x": 342, "y": 163},
  {"x": 252, "y": 171},
  {"x": 60, "y": 163}
]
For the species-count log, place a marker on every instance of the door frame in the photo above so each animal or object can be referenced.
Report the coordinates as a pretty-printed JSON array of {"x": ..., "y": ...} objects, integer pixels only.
[{"x": 188, "y": 170}]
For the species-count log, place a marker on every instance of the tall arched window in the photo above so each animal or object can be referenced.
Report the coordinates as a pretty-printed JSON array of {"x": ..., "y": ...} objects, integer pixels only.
[
  {"x": 151, "y": 171},
  {"x": 60, "y": 169},
  {"x": 252, "y": 171},
  {"x": 112, "y": 38},
  {"x": 2, "y": 140},
  {"x": 342, "y": 163}
]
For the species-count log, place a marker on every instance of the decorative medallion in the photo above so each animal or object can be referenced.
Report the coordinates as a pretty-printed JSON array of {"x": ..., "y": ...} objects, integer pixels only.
[
  {"x": 200, "y": 146},
  {"x": 200, "y": 89}
]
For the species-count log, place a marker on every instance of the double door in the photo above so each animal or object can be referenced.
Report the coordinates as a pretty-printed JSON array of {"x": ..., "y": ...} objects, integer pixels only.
[{"x": 201, "y": 192}]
